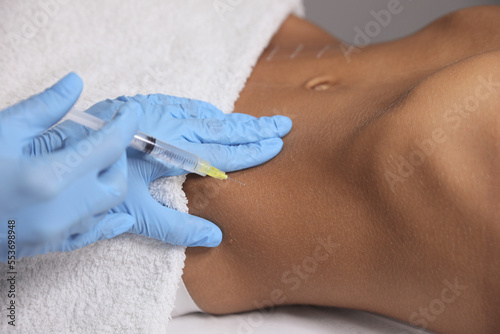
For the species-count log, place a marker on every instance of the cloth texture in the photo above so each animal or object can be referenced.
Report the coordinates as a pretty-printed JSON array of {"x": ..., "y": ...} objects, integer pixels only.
[
  {"x": 190, "y": 48},
  {"x": 184, "y": 304}
]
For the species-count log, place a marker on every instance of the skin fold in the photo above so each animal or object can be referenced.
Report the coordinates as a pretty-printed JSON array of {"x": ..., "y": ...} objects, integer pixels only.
[{"x": 386, "y": 194}]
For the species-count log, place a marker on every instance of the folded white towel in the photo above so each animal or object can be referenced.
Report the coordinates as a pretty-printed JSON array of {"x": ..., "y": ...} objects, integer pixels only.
[{"x": 193, "y": 48}]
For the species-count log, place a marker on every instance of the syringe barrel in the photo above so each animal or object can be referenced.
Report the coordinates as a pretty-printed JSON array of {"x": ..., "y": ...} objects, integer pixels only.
[
  {"x": 170, "y": 154},
  {"x": 158, "y": 149}
]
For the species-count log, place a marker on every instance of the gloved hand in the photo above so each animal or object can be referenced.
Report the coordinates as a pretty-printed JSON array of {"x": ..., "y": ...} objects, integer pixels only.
[
  {"x": 229, "y": 142},
  {"x": 60, "y": 200}
]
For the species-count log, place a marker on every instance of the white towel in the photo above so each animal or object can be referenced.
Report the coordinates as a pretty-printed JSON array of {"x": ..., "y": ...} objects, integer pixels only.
[{"x": 202, "y": 49}]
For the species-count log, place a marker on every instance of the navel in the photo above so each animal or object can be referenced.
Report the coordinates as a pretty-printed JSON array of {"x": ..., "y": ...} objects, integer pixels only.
[{"x": 321, "y": 83}]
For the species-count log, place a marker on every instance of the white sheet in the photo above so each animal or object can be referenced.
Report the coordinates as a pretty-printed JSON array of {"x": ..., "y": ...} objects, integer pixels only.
[{"x": 291, "y": 320}]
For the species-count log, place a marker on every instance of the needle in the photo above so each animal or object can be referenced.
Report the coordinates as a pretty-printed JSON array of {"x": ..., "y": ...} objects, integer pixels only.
[{"x": 236, "y": 181}]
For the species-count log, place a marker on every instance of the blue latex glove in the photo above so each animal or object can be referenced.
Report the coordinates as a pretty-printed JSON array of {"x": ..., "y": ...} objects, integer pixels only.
[
  {"x": 229, "y": 142},
  {"x": 60, "y": 200}
]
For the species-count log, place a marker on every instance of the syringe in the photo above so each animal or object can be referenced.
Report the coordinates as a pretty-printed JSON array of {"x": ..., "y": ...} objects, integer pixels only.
[{"x": 156, "y": 148}]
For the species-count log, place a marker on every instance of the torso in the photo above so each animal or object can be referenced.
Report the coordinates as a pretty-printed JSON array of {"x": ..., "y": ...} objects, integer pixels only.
[{"x": 331, "y": 97}]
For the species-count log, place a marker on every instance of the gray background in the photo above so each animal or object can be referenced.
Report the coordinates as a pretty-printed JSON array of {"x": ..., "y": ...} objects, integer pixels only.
[{"x": 340, "y": 17}]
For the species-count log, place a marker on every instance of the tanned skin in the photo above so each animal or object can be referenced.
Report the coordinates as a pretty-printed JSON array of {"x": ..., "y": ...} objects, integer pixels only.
[{"x": 386, "y": 195}]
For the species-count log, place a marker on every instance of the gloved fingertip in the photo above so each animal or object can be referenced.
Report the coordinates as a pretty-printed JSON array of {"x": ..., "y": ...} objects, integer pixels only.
[
  {"x": 283, "y": 124},
  {"x": 272, "y": 145},
  {"x": 254, "y": 154},
  {"x": 57, "y": 100},
  {"x": 72, "y": 81},
  {"x": 211, "y": 237},
  {"x": 214, "y": 239},
  {"x": 74, "y": 77}
]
